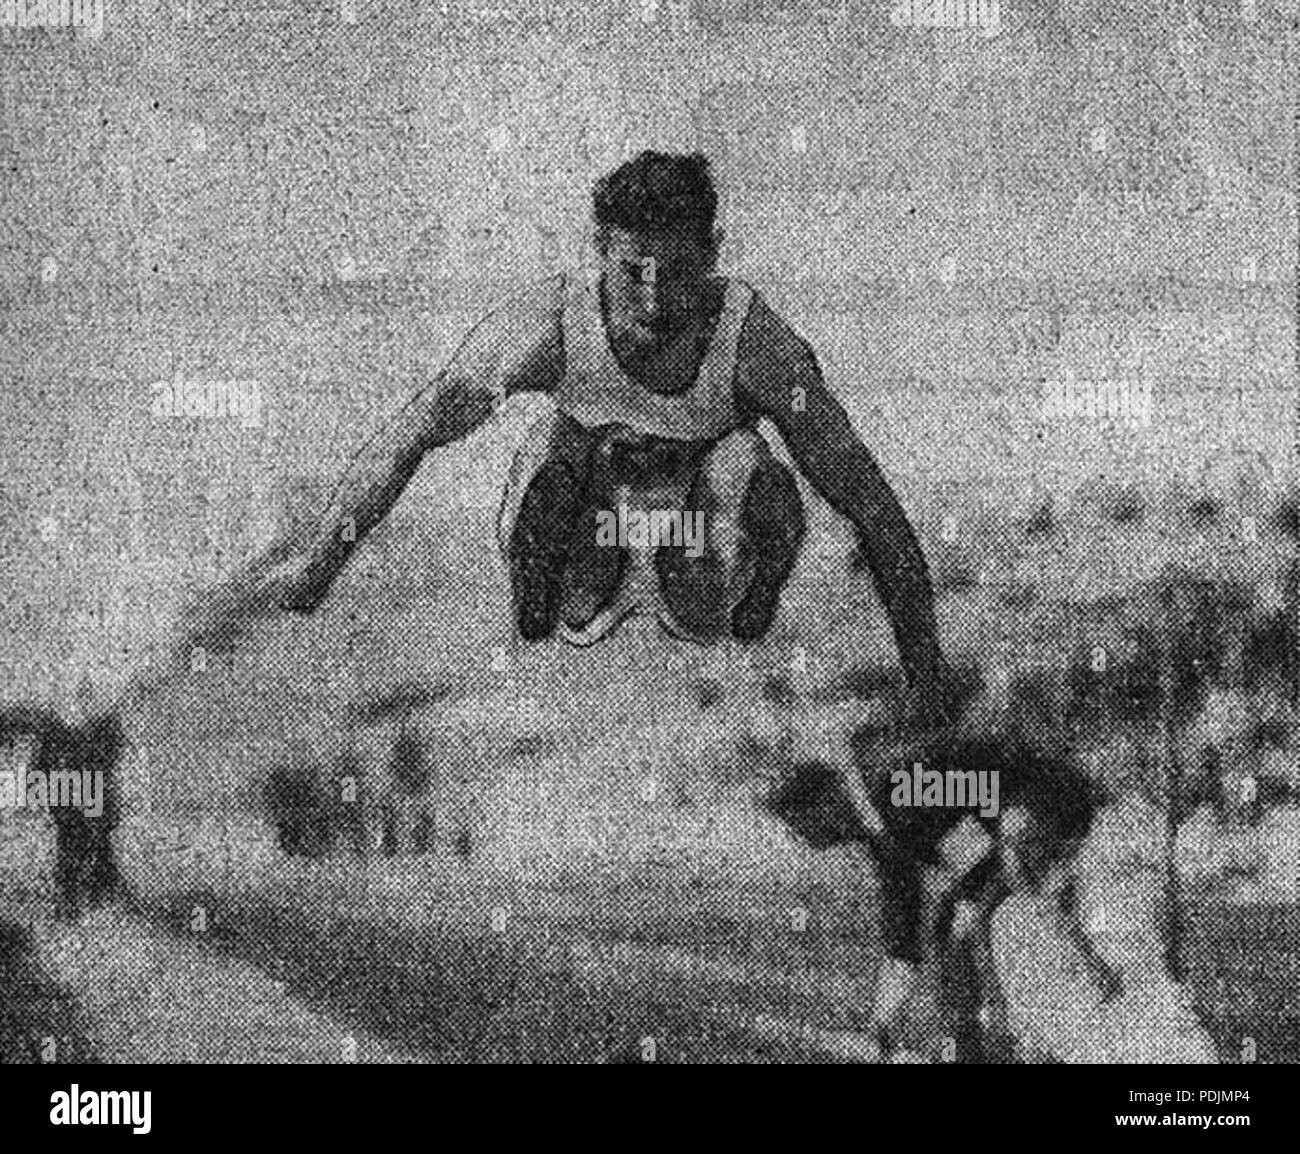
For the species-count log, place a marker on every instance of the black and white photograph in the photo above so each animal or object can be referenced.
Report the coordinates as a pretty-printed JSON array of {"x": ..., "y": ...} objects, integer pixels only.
[{"x": 562, "y": 532}]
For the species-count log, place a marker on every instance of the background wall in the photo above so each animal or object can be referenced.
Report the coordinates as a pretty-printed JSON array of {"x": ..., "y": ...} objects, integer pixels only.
[{"x": 322, "y": 198}]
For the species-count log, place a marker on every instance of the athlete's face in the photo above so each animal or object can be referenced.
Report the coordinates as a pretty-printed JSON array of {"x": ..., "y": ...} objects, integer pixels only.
[{"x": 655, "y": 286}]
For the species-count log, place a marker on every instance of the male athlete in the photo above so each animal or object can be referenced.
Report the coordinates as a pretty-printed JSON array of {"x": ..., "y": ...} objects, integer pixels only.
[{"x": 659, "y": 370}]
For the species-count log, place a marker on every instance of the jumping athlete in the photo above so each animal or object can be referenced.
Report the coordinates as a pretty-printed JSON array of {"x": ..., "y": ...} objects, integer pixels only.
[{"x": 659, "y": 370}]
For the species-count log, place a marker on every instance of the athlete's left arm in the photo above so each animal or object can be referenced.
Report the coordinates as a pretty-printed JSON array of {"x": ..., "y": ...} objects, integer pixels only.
[{"x": 778, "y": 377}]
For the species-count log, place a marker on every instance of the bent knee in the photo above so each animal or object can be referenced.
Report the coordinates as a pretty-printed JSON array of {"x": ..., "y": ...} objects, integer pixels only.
[
  {"x": 732, "y": 464},
  {"x": 745, "y": 479}
]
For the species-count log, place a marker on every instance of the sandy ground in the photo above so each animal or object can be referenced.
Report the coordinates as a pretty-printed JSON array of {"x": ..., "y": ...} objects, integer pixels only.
[
  {"x": 189, "y": 212},
  {"x": 599, "y": 875}
]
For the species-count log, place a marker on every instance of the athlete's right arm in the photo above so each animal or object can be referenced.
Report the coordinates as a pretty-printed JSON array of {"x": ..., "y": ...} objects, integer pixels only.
[{"x": 515, "y": 349}]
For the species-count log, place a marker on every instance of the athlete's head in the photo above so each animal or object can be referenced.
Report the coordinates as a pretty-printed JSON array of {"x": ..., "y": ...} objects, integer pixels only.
[{"x": 658, "y": 246}]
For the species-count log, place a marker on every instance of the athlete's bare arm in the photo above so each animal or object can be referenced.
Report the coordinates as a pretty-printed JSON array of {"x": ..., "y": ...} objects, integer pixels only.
[
  {"x": 778, "y": 378},
  {"x": 517, "y": 348}
]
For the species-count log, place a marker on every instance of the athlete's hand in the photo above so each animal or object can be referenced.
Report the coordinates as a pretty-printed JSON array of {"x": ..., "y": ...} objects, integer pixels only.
[
  {"x": 220, "y": 616},
  {"x": 924, "y": 1024},
  {"x": 298, "y": 585},
  {"x": 270, "y": 583}
]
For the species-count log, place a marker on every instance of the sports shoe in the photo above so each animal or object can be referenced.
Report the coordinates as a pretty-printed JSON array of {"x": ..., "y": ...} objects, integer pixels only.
[
  {"x": 602, "y": 625},
  {"x": 753, "y": 614},
  {"x": 622, "y": 604},
  {"x": 537, "y": 561},
  {"x": 674, "y": 628}
]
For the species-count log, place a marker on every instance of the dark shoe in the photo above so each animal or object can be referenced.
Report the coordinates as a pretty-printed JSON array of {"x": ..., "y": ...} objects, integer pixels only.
[
  {"x": 753, "y": 615},
  {"x": 601, "y": 626},
  {"x": 692, "y": 597},
  {"x": 773, "y": 525},
  {"x": 538, "y": 547},
  {"x": 621, "y": 603},
  {"x": 679, "y": 632}
]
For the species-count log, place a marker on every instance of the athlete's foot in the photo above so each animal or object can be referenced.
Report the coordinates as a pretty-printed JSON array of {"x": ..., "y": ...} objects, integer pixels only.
[
  {"x": 753, "y": 615},
  {"x": 675, "y": 629},
  {"x": 535, "y": 611},
  {"x": 583, "y": 626},
  {"x": 773, "y": 528},
  {"x": 692, "y": 599},
  {"x": 600, "y": 626}
]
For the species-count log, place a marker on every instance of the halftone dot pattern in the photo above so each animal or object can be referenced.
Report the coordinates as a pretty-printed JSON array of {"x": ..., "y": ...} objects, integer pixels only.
[{"x": 1027, "y": 273}]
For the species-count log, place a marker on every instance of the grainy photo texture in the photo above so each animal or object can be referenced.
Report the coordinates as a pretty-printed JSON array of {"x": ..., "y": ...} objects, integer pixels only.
[{"x": 649, "y": 531}]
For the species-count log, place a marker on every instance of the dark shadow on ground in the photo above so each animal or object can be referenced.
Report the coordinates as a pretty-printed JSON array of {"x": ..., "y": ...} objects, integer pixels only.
[{"x": 480, "y": 997}]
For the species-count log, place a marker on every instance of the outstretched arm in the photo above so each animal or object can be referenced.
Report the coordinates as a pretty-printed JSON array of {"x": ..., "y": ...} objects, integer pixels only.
[
  {"x": 516, "y": 349},
  {"x": 781, "y": 380},
  {"x": 513, "y": 350}
]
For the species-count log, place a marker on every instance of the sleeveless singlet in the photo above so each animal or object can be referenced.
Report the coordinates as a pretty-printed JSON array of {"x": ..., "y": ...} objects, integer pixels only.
[{"x": 596, "y": 390}]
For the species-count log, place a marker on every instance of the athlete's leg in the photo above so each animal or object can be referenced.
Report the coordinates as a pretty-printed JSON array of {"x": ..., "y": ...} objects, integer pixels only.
[
  {"x": 772, "y": 523},
  {"x": 753, "y": 525},
  {"x": 592, "y": 570},
  {"x": 543, "y": 500}
]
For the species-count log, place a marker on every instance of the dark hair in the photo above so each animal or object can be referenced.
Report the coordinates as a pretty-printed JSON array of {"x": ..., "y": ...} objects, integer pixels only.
[{"x": 659, "y": 190}]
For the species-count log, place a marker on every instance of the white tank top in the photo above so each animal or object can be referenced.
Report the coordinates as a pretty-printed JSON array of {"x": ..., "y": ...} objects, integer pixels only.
[{"x": 596, "y": 390}]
